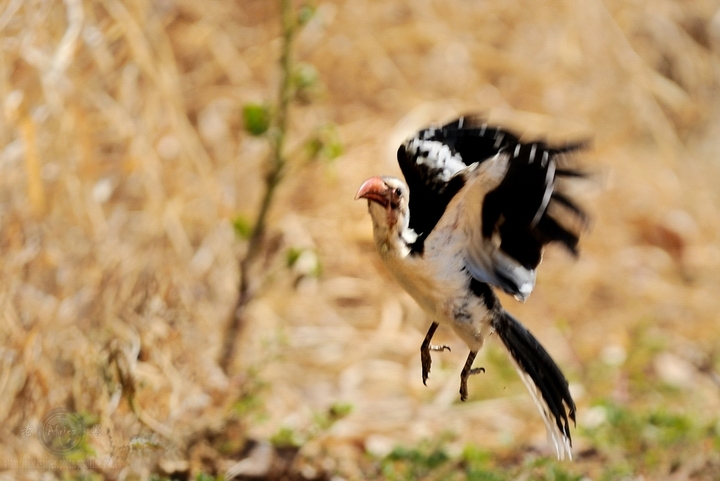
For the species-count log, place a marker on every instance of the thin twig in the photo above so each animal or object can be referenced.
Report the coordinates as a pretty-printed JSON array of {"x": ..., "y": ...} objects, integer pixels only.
[{"x": 273, "y": 177}]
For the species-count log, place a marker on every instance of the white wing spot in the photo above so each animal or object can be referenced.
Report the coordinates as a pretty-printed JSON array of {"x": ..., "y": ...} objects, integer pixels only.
[
  {"x": 532, "y": 153},
  {"x": 461, "y": 121},
  {"x": 517, "y": 150},
  {"x": 544, "y": 158},
  {"x": 549, "y": 187},
  {"x": 498, "y": 139},
  {"x": 436, "y": 155},
  {"x": 482, "y": 130}
]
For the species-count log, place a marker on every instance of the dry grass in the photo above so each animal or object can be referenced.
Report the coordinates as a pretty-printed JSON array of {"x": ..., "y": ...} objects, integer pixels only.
[{"x": 123, "y": 163}]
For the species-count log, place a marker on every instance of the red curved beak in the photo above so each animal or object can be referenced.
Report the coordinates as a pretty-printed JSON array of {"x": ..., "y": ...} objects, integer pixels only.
[{"x": 376, "y": 190}]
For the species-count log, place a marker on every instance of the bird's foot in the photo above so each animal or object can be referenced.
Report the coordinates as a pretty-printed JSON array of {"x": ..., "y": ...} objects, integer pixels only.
[
  {"x": 463, "y": 382},
  {"x": 468, "y": 371},
  {"x": 426, "y": 359},
  {"x": 425, "y": 349},
  {"x": 440, "y": 348}
]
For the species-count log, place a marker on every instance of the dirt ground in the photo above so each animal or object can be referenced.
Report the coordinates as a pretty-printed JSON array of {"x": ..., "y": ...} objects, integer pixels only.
[{"x": 124, "y": 165}]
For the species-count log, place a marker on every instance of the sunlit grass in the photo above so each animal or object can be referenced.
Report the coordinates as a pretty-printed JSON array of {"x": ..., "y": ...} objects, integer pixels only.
[{"x": 133, "y": 145}]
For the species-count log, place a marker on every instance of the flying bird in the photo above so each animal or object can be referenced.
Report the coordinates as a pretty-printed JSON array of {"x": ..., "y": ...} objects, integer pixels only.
[{"x": 474, "y": 213}]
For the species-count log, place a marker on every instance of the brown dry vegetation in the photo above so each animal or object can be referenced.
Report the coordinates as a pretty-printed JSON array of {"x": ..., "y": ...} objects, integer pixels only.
[{"x": 123, "y": 162}]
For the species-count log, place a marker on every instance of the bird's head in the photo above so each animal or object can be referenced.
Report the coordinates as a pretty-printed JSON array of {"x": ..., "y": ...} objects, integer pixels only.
[{"x": 388, "y": 206}]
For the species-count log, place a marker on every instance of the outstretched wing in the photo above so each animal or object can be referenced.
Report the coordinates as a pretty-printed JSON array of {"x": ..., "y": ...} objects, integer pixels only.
[
  {"x": 431, "y": 160},
  {"x": 512, "y": 199}
]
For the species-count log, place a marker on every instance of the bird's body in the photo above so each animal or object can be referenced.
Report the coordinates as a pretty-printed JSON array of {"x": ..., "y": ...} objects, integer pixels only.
[
  {"x": 442, "y": 289},
  {"x": 437, "y": 279},
  {"x": 475, "y": 213}
]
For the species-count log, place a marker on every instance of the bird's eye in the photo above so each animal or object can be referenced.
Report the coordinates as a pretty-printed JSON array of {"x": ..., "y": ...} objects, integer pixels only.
[{"x": 398, "y": 192}]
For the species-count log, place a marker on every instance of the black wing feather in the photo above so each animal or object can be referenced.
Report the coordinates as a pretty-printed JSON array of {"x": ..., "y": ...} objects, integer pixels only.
[
  {"x": 517, "y": 209},
  {"x": 533, "y": 359},
  {"x": 429, "y": 195},
  {"x": 475, "y": 143}
]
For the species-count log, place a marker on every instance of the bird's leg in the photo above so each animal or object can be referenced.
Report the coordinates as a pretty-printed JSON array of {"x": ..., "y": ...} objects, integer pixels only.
[
  {"x": 425, "y": 349},
  {"x": 466, "y": 373}
]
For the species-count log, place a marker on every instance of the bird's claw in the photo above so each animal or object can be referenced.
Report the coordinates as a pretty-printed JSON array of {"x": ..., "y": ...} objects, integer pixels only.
[
  {"x": 426, "y": 359},
  {"x": 463, "y": 381},
  {"x": 425, "y": 349},
  {"x": 466, "y": 373},
  {"x": 440, "y": 348}
]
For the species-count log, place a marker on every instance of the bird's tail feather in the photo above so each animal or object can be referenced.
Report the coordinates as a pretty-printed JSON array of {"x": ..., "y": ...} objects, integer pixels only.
[{"x": 542, "y": 377}]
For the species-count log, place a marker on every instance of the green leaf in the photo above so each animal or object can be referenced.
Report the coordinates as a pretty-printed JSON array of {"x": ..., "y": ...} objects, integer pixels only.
[
  {"x": 292, "y": 255},
  {"x": 336, "y": 412},
  {"x": 325, "y": 143},
  {"x": 340, "y": 410},
  {"x": 305, "y": 13},
  {"x": 333, "y": 150},
  {"x": 286, "y": 437},
  {"x": 242, "y": 227},
  {"x": 314, "y": 146},
  {"x": 305, "y": 262},
  {"x": 306, "y": 81},
  {"x": 256, "y": 118},
  {"x": 305, "y": 75}
]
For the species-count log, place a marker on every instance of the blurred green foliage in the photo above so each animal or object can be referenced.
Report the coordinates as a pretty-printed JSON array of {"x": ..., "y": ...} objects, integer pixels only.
[
  {"x": 82, "y": 422},
  {"x": 242, "y": 227},
  {"x": 629, "y": 442},
  {"x": 638, "y": 440},
  {"x": 250, "y": 403},
  {"x": 287, "y": 437},
  {"x": 208, "y": 477},
  {"x": 305, "y": 13},
  {"x": 321, "y": 424},
  {"x": 305, "y": 82},
  {"x": 324, "y": 144},
  {"x": 256, "y": 118}
]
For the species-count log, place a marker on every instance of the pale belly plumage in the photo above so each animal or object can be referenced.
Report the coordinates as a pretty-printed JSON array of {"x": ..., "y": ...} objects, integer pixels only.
[{"x": 441, "y": 288}]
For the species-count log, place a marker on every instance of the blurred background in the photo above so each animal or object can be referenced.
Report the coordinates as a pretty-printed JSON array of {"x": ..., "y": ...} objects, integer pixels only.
[{"x": 130, "y": 179}]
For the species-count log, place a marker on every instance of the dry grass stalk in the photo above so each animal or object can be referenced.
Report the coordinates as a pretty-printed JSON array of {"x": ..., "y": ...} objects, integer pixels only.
[{"x": 141, "y": 160}]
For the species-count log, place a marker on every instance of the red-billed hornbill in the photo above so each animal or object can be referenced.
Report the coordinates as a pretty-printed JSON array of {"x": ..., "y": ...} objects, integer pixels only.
[{"x": 477, "y": 210}]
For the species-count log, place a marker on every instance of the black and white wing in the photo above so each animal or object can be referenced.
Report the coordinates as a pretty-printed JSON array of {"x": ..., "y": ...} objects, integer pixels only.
[
  {"x": 509, "y": 193},
  {"x": 430, "y": 162}
]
